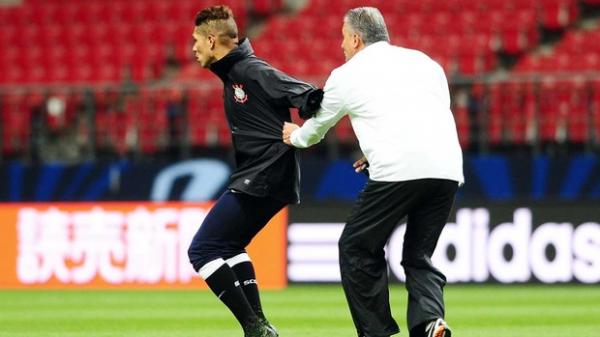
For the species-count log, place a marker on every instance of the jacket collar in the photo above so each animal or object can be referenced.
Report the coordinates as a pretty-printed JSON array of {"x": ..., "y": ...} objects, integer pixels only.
[{"x": 222, "y": 67}]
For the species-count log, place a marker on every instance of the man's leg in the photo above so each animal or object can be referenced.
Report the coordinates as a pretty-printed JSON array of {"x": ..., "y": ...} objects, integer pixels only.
[
  {"x": 215, "y": 235},
  {"x": 225, "y": 285},
  {"x": 225, "y": 232},
  {"x": 423, "y": 281},
  {"x": 244, "y": 270},
  {"x": 378, "y": 210},
  {"x": 258, "y": 212}
]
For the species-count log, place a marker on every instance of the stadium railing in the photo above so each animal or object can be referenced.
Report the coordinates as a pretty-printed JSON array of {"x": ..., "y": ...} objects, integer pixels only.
[{"x": 74, "y": 123}]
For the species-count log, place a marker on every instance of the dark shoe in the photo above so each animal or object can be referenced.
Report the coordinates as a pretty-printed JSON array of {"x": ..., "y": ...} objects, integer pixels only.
[
  {"x": 260, "y": 330},
  {"x": 438, "y": 328},
  {"x": 269, "y": 326}
]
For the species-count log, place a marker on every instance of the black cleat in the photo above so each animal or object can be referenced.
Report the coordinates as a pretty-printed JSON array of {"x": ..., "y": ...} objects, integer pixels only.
[
  {"x": 438, "y": 328},
  {"x": 269, "y": 326},
  {"x": 260, "y": 330}
]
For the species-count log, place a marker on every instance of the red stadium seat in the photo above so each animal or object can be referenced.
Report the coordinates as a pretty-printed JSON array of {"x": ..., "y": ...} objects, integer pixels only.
[
  {"x": 550, "y": 113},
  {"x": 96, "y": 41},
  {"x": 263, "y": 7},
  {"x": 470, "y": 64},
  {"x": 595, "y": 111},
  {"x": 154, "y": 11},
  {"x": 463, "y": 125},
  {"x": 75, "y": 35},
  {"x": 558, "y": 14},
  {"x": 519, "y": 105},
  {"x": 494, "y": 123},
  {"x": 15, "y": 121},
  {"x": 579, "y": 121}
]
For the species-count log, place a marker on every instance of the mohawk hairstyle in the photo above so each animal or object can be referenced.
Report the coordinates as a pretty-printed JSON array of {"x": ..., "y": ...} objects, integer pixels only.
[{"x": 219, "y": 18}]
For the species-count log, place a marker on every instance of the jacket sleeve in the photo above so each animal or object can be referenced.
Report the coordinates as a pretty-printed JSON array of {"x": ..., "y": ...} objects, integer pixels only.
[
  {"x": 331, "y": 111},
  {"x": 286, "y": 89}
]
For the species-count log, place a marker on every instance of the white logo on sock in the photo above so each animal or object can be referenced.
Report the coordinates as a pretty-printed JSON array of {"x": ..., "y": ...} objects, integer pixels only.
[
  {"x": 237, "y": 283},
  {"x": 250, "y": 281}
]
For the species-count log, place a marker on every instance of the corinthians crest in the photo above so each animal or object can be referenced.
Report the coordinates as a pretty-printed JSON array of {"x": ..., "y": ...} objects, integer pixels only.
[{"x": 239, "y": 94}]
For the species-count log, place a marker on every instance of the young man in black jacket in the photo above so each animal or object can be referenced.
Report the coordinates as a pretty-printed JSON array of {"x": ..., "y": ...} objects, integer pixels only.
[{"x": 266, "y": 178}]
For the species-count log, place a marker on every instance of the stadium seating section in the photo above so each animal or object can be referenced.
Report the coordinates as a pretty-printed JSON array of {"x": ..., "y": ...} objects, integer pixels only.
[{"x": 130, "y": 42}]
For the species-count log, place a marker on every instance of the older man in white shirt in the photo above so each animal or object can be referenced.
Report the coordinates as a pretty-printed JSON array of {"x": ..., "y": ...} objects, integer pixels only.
[{"x": 399, "y": 106}]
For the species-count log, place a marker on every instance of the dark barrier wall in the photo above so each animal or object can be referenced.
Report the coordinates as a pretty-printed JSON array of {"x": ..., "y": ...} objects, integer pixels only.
[
  {"x": 194, "y": 180},
  {"x": 495, "y": 177},
  {"x": 482, "y": 243}
]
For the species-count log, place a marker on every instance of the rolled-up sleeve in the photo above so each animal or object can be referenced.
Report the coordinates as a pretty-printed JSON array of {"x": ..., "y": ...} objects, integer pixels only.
[{"x": 331, "y": 111}]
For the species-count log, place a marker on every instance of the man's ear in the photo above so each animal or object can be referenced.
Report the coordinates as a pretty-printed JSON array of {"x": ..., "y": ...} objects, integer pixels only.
[
  {"x": 212, "y": 40},
  {"x": 356, "y": 41}
]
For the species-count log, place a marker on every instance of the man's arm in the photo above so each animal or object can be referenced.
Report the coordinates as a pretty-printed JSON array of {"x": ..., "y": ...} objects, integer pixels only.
[
  {"x": 314, "y": 129},
  {"x": 286, "y": 89}
]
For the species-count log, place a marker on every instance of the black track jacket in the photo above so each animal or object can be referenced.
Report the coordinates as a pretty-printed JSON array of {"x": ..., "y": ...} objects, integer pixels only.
[{"x": 257, "y": 102}]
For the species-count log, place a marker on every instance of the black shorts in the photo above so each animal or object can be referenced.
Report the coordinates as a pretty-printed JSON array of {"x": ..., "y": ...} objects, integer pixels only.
[{"x": 230, "y": 226}]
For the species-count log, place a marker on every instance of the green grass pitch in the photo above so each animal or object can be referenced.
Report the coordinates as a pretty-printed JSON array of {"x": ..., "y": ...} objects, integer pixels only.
[{"x": 299, "y": 311}]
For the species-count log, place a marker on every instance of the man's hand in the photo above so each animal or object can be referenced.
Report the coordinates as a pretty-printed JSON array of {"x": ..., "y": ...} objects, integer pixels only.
[
  {"x": 288, "y": 128},
  {"x": 360, "y": 165}
]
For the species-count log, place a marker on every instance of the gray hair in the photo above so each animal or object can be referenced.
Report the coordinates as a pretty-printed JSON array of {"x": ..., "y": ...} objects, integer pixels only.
[{"x": 368, "y": 23}]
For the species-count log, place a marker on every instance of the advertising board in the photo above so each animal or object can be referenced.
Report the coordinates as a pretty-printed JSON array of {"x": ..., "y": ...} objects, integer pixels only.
[{"x": 117, "y": 244}]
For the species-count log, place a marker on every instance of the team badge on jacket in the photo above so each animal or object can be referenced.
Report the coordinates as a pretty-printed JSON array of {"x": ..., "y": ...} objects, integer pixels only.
[{"x": 239, "y": 94}]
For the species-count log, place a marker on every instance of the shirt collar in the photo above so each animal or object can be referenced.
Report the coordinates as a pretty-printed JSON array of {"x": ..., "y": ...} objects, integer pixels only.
[
  {"x": 371, "y": 48},
  {"x": 222, "y": 67}
]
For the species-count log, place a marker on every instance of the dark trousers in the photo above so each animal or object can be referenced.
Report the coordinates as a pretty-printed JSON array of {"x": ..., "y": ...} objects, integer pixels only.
[
  {"x": 230, "y": 226},
  {"x": 377, "y": 212}
]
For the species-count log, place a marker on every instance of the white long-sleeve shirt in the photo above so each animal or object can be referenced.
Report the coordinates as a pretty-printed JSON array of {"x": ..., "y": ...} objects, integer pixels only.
[{"x": 399, "y": 106}]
